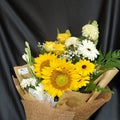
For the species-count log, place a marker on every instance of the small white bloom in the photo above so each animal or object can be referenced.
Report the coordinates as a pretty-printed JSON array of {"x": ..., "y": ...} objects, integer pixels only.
[
  {"x": 88, "y": 50},
  {"x": 25, "y": 57},
  {"x": 71, "y": 41},
  {"x": 32, "y": 81},
  {"x": 90, "y": 31},
  {"x": 27, "y": 82},
  {"x": 27, "y": 44}
]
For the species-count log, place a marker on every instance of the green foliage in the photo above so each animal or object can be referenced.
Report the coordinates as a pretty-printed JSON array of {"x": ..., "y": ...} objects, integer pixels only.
[
  {"x": 93, "y": 87},
  {"x": 41, "y": 49},
  {"x": 110, "y": 60}
]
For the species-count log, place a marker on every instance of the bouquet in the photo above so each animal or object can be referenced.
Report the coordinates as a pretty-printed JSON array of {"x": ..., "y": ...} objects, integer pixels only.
[{"x": 69, "y": 78}]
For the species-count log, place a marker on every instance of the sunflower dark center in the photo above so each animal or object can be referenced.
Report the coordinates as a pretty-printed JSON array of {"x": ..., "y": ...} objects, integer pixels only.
[{"x": 84, "y": 66}]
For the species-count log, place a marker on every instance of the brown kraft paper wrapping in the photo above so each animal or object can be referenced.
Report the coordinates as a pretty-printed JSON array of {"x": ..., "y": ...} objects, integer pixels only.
[{"x": 71, "y": 106}]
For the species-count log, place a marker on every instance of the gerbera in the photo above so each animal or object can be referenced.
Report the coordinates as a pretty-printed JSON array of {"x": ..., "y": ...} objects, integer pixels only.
[
  {"x": 59, "y": 77},
  {"x": 88, "y": 50},
  {"x": 85, "y": 67},
  {"x": 41, "y": 62}
]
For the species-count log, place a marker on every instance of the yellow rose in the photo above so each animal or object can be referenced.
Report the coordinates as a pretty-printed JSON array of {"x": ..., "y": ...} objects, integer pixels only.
[
  {"x": 61, "y": 37},
  {"x": 54, "y": 47},
  {"x": 58, "y": 49},
  {"x": 48, "y": 46}
]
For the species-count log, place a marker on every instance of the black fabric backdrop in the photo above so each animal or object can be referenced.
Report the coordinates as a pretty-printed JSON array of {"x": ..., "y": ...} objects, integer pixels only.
[{"x": 37, "y": 20}]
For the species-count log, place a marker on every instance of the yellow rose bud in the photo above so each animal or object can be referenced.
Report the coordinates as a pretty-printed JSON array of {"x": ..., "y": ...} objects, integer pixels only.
[
  {"x": 48, "y": 46},
  {"x": 61, "y": 37},
  {"x": 58, "y": 49}
]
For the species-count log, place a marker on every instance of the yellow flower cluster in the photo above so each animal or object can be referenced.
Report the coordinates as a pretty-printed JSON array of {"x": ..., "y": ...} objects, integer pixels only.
[
  {"x": 59, "y": 75},
  {"x": 56, "y": 48}
]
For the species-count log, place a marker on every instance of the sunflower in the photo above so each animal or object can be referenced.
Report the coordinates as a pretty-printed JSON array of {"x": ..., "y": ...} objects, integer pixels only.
[
  {"x": 85, "y": 67},
  {"x": 59, "y": 77},
  {"x": 84, "y": 80},
  {"x": 41, "y": 62}
]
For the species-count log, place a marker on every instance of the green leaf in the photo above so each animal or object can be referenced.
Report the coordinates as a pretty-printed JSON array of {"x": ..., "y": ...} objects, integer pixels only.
[
  {"x": 110, "y": 60},
  {"x": 95, "y": 76},
  {"x": 93, "y": 87},
  {"x": 98, "y": 89},
  {"x": 100, "y": 58},
  {"x": 108, "y": 55},
  {"x": 58, "y": 31}
]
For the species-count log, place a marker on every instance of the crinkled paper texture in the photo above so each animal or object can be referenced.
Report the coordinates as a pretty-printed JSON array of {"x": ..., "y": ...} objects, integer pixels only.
[{"x": 72, "y": 106}]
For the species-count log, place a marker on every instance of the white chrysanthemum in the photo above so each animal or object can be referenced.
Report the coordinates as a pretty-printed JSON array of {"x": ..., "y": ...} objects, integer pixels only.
[
  {"x": 88, "y": 50},
  {"x": 27, "y": 82},
  {"x": 71, "y": 41},
  {"x": 90, "y": 31}
]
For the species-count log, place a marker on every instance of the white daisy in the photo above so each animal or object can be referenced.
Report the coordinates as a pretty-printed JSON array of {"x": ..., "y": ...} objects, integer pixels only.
[{"x": 88, "y": 50}]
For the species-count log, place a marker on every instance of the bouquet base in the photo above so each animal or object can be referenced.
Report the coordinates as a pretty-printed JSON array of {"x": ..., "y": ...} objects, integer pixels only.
[
  {"x": 36, "y": 110},
  {"x": 71, "y": 106}
]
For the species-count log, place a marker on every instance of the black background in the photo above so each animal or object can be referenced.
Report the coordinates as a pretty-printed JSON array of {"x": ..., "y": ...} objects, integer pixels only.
[{"x": 36, "y": 21}]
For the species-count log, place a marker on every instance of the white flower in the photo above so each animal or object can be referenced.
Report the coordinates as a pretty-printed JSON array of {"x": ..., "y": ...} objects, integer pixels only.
[
  {"x": 32, "y": 81},
  {"x": 25, "y": 57},
  {"x": 24, "y": 83},
  {"x": 71, "y": 41},
  {"x": 88, "y": 50},
  {"x": 90, "y": 31},
  {"x": 38, "y": 93},
  {"x": 27, "y": 82}
]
